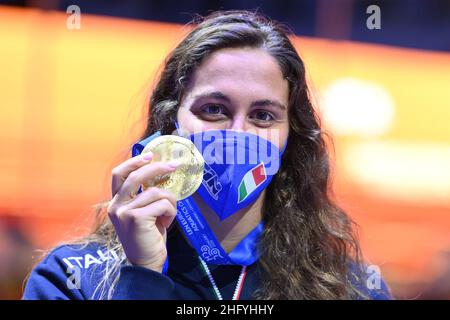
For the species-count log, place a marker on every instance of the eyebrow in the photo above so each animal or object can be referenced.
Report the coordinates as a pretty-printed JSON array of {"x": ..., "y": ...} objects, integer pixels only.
[{"x": 257, "y": 103}]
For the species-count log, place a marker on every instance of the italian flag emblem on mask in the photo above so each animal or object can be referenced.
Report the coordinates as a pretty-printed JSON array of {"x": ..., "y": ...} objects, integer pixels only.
[{"x": 251, "y": 181}]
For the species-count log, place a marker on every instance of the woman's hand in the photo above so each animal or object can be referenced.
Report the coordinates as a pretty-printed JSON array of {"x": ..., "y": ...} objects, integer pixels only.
[{"x": 141, "y": 220}]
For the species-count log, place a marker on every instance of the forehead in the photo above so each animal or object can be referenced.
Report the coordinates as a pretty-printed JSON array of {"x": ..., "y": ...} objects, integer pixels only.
[{"x": 240, "y": 71}]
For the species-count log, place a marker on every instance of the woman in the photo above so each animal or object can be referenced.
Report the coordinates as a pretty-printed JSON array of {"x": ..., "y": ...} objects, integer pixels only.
[{"x": 235, "y": 71}]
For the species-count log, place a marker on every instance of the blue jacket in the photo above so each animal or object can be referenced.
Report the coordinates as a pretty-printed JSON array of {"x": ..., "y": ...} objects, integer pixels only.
[{"x": 74, "y": 272}]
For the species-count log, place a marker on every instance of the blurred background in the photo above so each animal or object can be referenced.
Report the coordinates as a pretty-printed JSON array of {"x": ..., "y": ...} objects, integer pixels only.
[{"x": 73, "y": 102}]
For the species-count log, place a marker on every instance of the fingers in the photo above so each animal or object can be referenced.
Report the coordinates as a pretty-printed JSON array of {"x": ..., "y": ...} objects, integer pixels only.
[
  {"x": 121, "y": 172},
  {"x": 169, "y": 212},
  {"x": 144, "y": 174},
  {"x": 149, "y": 196},
  {"x": 161, "y": 210}
]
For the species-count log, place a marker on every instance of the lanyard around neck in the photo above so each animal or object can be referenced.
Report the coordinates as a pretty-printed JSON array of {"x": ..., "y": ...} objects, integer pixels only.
[{"x": 239, "y": 284}]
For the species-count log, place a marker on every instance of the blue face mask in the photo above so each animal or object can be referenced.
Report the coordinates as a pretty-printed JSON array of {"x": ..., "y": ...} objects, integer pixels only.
[{"x": 238, "y": 167}]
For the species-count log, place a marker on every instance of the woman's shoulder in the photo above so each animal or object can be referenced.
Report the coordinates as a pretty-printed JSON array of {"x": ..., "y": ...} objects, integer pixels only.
[{"x": 69, "y": 271}]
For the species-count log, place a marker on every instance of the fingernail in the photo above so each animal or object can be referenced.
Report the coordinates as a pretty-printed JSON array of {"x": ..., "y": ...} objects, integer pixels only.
[
  {"x": 147, "y": 156},
  {"x": 173, "y": 164}
]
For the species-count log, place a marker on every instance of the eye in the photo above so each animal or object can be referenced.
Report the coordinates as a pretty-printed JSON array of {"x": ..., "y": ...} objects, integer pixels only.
[
  {"x": 212, "y": 112},
  {"x": 262, "y": 116},
  {"x": 213, "y": 109}
]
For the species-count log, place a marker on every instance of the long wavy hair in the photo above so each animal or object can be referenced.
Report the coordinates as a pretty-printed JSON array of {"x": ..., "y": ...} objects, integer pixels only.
[{"x": 308, "y": 246}]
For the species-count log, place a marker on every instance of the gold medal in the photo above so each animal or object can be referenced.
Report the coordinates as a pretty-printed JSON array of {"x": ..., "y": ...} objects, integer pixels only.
[{"x": 186, "y": 179}]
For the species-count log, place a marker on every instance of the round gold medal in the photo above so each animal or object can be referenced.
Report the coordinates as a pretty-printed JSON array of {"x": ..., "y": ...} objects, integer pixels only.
[{"x": 186, "y": 179}]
